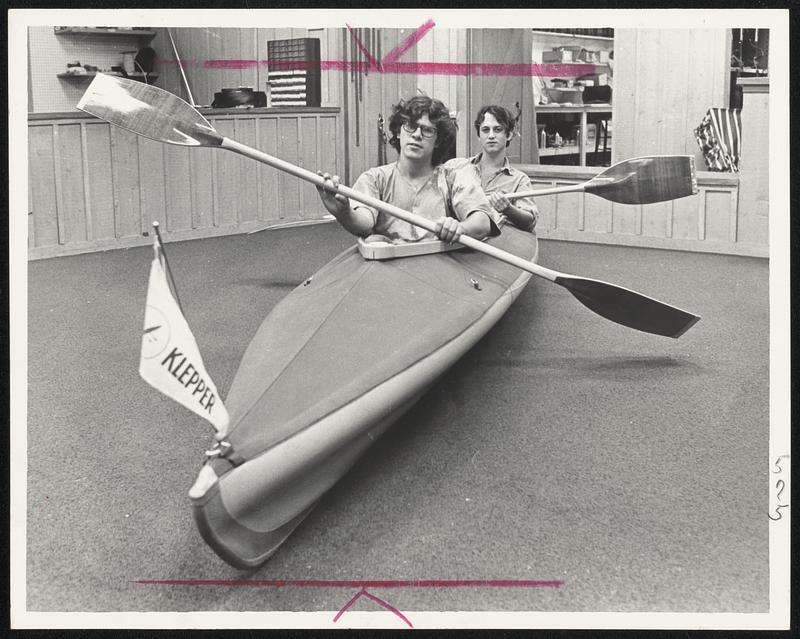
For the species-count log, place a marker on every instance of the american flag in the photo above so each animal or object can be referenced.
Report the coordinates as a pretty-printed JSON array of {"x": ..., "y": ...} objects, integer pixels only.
[{"x": 720, "y": 138}]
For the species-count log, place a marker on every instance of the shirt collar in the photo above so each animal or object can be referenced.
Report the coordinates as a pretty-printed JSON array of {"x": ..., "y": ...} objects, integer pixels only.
[
  {"x": 436, "y": 169},
  {"x": 506, "y": 168}
]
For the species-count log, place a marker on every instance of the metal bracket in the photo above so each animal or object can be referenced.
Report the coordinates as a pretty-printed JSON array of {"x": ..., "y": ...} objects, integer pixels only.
[{"x": 221, "y": 449}]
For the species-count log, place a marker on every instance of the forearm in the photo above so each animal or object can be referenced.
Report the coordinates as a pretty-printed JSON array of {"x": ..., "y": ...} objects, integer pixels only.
[
  {"x": 477, "y": 225},
  {"x": 357, "y": 221},
  {"x": 521, "y": 218}
]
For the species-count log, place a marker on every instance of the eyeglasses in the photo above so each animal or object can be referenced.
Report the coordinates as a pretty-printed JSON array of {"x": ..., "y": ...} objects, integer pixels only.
[{"x": 425, "y": 130}]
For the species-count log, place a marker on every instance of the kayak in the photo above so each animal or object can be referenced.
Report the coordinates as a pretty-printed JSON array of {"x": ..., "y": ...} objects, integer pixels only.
[
  {"x": 353, "y": 347},
  {"x": 335, "y": 363}
]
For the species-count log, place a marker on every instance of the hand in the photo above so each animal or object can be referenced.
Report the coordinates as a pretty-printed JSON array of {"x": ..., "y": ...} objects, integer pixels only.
[
  {"x": 499, "y": 201},
  {"x": 449, "y": 229},
  {"x": 336, "y": 203}
]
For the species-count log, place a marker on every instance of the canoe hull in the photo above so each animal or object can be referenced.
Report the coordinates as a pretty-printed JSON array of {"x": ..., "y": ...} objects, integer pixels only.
[{"x": 249, "y": 509}]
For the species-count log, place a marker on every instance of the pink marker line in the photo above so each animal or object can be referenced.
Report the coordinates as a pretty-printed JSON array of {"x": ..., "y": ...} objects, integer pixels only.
[
  {"x": 403, "y": 68},
  {"x": 489, "y": 69},
  {"x": 405, "y": 45},
  {"x": 374, "y": 65},
  {"x": 381, "y": 583},
  {"x": 362, "y": 585},
  {"x": 395, "y": 53},
  {"x": 377, "y": 600},
  {"x": 232, "y": 64}
]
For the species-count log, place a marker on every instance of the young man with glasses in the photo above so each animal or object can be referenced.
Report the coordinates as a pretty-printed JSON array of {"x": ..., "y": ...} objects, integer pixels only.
[
  {"x": 418, "y": 181},
  {"x": 495, "y": 128}
]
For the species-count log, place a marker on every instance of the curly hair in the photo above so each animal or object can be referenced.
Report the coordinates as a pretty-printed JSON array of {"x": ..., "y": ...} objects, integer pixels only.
[
  {"x": 502, "y": 115},
  {"x": 412, "y": 110}
]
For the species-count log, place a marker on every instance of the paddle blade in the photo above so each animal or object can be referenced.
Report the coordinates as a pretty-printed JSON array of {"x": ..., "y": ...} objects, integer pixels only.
[
  {"x": 646, "y": 180},
  {"x": 147, "y": 111},
  {"x": 629, "y": 308}
]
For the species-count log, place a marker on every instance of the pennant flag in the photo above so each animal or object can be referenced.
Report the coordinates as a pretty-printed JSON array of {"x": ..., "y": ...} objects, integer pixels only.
[{"x": 170, "y": 360}]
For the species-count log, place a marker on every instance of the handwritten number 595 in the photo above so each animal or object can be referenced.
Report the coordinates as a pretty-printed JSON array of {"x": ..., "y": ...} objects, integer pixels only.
[{"x": 780, "y": 485}]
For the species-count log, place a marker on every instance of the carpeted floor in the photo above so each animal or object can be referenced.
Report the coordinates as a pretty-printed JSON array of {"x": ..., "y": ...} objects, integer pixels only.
[{"x": 563, "y": 447}]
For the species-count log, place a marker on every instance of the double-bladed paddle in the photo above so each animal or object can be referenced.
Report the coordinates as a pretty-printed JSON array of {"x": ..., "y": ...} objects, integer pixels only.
[
  {"x": 644, "y": 180},
  {"x": 159, "y": 115}
]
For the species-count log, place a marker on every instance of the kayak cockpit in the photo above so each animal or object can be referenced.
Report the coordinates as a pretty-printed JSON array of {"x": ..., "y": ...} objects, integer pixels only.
[{"x": 378, "y": 247}]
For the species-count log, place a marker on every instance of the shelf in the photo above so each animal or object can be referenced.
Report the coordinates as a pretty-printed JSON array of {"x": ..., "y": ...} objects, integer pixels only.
[
  {"x": 572, "y": 149},
  {"x": 555, "y": 109},
  {"x": 559, "y": 150},
  {"x": 596, "y": 65},
  {"x": 105, "y": 31},
  {"x": 577, "y": 36},
  {"x": 133, "y": 76}
]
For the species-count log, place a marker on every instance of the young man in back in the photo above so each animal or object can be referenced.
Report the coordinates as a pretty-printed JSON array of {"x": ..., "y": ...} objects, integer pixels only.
[{"x": 495, "y": 128}]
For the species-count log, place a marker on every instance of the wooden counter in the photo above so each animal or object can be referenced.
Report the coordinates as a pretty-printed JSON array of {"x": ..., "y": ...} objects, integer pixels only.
[
  {"x": 94, "y": 186},
  {"x": 207, "y": 112},
  {"x": 711, "y": 221}
]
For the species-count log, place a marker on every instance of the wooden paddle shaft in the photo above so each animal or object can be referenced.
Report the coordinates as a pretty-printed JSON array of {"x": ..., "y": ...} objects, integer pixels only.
[
  {"x": 643, "y": 180},
  {"x": 408, "y": 216},
  {"x": 571, "y": 188}
]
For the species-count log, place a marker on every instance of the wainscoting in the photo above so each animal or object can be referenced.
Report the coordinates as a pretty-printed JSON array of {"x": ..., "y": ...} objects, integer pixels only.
[
  {"x": 93, "y": 186},
  {"x": 96, "y": 187},
  {"x": 707, "y": 222}
]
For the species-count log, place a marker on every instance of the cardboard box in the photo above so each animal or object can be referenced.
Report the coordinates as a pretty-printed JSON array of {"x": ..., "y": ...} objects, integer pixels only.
[
  {"x": 558, "y": 55},
  {"x": 562, "y": 96}
]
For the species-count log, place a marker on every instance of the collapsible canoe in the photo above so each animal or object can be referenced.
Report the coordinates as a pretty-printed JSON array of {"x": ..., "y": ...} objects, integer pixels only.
[{"x": 337, "y": 361}]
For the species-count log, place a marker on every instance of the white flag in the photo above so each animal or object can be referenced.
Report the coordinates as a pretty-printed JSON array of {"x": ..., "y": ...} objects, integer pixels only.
[{"x": 170, "y": 360}]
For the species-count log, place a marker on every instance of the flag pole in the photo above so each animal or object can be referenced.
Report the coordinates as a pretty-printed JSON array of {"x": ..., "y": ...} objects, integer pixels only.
[
  {"x": 180, "y": 66},
  {"x": 157, "y": 229}
]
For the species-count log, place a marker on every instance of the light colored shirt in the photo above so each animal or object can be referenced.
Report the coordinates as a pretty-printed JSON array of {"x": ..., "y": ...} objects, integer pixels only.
[
  {"x": 506, "y": 179},
  {"x": 450, "y": 191}
]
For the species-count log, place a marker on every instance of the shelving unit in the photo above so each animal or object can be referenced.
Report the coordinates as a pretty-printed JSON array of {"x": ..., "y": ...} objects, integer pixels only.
[
  {"x": 105, "y": 31},
  {"x": 564, "y": 111},
  {"x": 570, "y": 34},
  {"x": 87, "y": 76},
  {"x": 99, "y": 41},
  {"x": 294, "y": 87},
  {"x": 564, "y": 149},
  {"x": 583, "y": 112}
]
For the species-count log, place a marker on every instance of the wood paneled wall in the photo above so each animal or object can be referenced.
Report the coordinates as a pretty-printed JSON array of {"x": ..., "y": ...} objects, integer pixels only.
[
  {"x": 664, "y": 82},
  {"x": 366, "y": 96},
  {"x": 503, "y": 47},
  {"x": 754, "y": 167},
  {"x": 48, "y": 55},
  {"x": 95, "y": 186},
  {"x": 202, "y": 50},
  {"x": 711, "y": 221}
]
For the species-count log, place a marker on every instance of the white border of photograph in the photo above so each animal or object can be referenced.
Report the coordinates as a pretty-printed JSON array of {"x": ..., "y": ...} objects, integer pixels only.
[{"x": 780, "y": 363}]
